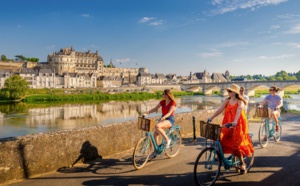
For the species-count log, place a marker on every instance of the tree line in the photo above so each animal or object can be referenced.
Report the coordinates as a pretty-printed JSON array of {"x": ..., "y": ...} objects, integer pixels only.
[
  {"x": 19, "y": 58},
  {"x": 279, "y": 76}
]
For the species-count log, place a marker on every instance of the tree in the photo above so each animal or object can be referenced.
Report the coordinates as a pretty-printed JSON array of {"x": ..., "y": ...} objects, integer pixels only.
[
  {"x": 298, "y": 75},
  {"x": 3, "y": 58},
  {"x": 20, "y": 58},
  {"x": 16, "y": 87}
]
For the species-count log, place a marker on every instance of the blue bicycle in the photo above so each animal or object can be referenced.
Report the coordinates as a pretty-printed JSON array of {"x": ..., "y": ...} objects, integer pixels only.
[
  {"x": 147, "y": 144},
  {"x": 267, "y": 130},
  {"x": 208, "y": 163}
]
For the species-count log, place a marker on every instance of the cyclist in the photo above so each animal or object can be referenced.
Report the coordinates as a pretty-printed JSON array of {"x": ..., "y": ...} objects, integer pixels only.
[
  {"x": 168, "y": 107},
  {"x": 234, "y": 140},
  {"x": 274, "y": 103},
  {"x": 242, "y": 92}
]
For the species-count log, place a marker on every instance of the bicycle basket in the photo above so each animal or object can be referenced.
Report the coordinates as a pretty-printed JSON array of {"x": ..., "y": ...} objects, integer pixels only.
[
  {"x": 209, "y": 130},
  {"x": 145, "y": 124},
  {"x": 263, "y": 112}
]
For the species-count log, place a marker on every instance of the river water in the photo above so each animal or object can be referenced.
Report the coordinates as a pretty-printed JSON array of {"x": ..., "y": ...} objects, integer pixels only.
[{"x": 22, "y": 119}]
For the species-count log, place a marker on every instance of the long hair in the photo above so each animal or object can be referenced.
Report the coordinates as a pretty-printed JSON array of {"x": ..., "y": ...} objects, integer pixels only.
[{"x": 169, "y": 94}]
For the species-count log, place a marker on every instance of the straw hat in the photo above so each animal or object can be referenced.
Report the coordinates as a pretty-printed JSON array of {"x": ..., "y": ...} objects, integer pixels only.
[{"x": 234, "y": 88}]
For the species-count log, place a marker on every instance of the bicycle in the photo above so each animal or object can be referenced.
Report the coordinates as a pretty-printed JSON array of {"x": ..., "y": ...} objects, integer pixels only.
[
  {"x": 210, "y": 160},
  {"x": 266, "y": 131},
  {"x": 147, "y": 144}
]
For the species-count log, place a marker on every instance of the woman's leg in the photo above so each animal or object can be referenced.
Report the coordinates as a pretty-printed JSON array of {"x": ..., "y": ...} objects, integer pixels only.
[
  {"x": 161, "y": 126},
  {"x": 275, "y": 115}
]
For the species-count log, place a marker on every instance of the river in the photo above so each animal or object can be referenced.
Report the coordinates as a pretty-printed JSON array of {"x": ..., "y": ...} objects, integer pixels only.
[{"x": 22, "y": 119}]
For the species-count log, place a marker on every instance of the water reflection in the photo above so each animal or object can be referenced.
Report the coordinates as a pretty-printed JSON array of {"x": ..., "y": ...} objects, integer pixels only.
[{"x": 21, "y": 119}]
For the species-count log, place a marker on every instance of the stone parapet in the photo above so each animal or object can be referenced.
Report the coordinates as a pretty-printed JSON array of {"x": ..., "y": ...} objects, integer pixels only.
[{"x": 31, "y": 155}]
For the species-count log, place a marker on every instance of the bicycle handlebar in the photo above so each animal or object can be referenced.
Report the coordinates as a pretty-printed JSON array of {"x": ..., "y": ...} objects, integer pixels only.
[{"x": 228, "y": 125}]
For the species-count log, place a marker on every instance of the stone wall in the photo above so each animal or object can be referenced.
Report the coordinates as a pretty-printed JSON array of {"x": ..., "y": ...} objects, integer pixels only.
[{"x": 27, "y": 156}]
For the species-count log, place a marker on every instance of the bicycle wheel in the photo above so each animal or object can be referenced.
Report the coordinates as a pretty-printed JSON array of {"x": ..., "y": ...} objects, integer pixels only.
[
  {"x": 141, "y": 153},
  {"x": 277, "y": 135},
  {"x": 207, "y": 167},
  {"x": 263, "y": 136},
  {"x": 176, "y": 140}
]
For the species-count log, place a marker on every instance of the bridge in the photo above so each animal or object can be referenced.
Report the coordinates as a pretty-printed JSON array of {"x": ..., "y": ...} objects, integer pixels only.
[{"x": 250, "y": 86}]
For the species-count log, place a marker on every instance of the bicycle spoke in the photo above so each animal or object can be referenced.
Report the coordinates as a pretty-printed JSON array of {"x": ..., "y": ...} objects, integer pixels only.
[{"x": 207, "y": 167}]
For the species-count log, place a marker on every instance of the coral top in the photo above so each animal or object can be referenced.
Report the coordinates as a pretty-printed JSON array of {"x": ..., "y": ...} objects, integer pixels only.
[{"x": 235, "y": 140}]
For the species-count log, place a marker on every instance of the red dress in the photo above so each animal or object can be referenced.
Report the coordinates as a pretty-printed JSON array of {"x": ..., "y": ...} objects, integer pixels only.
[{"x": 235, "y": 140}]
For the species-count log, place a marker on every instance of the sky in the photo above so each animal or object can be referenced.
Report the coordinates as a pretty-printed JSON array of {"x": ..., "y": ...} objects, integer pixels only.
[{"x": 245, "y": 37}]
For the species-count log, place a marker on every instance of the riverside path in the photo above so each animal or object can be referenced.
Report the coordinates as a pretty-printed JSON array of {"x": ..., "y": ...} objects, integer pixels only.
[{"x": 276, "y": 165}]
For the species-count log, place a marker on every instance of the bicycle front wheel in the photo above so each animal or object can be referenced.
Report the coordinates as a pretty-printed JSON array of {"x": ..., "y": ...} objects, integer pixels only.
[
  {"x": 263, "y": 136},
  {"x": 174, "y": 148},
  {"x": 141, "y": 153},
  {"x": 207, "y": 167},
  {"x": 277, "y": 134}
]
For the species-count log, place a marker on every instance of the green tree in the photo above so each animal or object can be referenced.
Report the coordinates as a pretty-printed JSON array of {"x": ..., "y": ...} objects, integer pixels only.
[
  {"x": 298, "y": 75},
  {"x": 16, "y": 87},
  {"x": 3, "y": 58},
  {"x": 20, "y": 58}
]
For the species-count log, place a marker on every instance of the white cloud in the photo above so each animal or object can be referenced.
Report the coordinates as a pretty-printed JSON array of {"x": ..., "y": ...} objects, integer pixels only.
[
  {"x": 294, "y": 30},
  {"x": 231, "y": 44},
  {"x": 85, "y": 15},
  {"x": 123, "y": 60},
  {"x": 277, "y": 57},
  {"x": 275, "y": 27},
  {"x": 210, "y": 54},
  {"x": 146, "y": 19},
  {"x": 224, "y": 6},
  {"x": 156, "y": 23},
  {"x": 152, "y": 21},
  {"x": 295, "y": 45}
]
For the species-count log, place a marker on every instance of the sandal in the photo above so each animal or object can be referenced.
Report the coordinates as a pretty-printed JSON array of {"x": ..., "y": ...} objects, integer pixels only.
[
  {"x": 277, "y": 128},
  {"x": 242, "y": 168}
]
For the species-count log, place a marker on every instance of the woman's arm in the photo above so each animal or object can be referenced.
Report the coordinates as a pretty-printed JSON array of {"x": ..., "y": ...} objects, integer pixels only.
[
  {"x": 171, "y": 110},
  {"x": 280, "y": 104},
  {"x": 220, "y": 110},
  {"x": 262, "y": 103},
  {"x": 153, "y": 110}
]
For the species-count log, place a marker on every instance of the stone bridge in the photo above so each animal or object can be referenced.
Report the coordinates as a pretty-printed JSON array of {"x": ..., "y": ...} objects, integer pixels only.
[{"x": 250, "y": 86}]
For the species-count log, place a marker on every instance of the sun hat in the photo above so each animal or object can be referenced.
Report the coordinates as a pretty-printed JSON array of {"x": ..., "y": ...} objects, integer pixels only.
[{"x": 234, "y": 88}]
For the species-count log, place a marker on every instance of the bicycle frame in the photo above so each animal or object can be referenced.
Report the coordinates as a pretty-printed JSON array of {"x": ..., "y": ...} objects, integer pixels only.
[
  {"x": 271, "y": 129},
  {"x": 227, "y": 162},
  {"x": 160, "y": 148}
]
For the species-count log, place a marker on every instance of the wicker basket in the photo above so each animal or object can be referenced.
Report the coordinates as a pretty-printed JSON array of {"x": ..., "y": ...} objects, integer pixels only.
[
  {"x": 145, "y": 123},
  {"x": 263, "y": 112},
  {"x": 209, "y": 130}
]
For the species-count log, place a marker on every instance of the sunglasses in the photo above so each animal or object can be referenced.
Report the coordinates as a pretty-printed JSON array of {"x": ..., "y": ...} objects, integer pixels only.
[
  {"x": 229, "y": 91},
  {"x": 271, "y": 89}
]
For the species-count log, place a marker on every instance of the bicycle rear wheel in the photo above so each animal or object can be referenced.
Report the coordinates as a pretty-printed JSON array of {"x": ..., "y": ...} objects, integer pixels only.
[
  {"x": 176, "y": 140},
  {"x": 141, "y": 153},
  {"x": 207, "y": 167},
  {"x": 263, "y": 135},
  {"x": 277, "y": 135}
]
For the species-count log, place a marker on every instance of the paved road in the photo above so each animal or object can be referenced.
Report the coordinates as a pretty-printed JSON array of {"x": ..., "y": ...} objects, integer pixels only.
[{"x": 276, "y": 165}]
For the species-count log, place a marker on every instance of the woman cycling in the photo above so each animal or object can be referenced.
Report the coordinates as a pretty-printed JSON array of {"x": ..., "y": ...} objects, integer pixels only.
[
  {"x": 274, "y": 103},
  {"x": 234, "y": 140},
  {"x": 168, "y": 106}
]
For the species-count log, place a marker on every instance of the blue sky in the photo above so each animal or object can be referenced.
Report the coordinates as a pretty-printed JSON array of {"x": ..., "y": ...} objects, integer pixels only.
[{"x": 166, "y": 36}]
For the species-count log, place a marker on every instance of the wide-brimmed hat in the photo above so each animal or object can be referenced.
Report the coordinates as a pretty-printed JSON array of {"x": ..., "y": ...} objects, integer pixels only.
[{"x": 234, "y": 88}]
